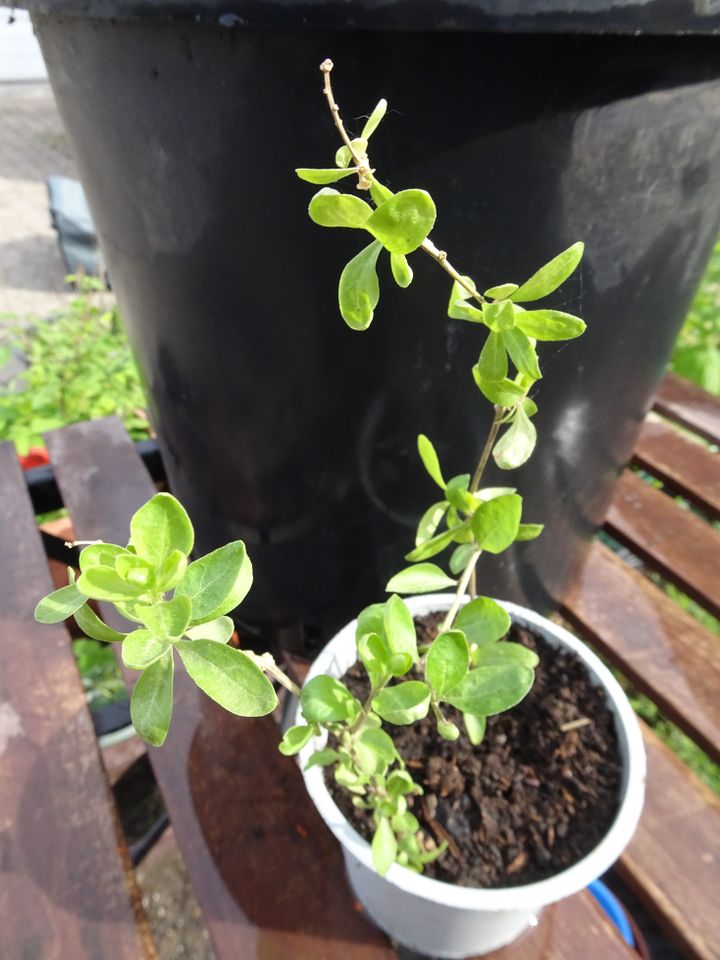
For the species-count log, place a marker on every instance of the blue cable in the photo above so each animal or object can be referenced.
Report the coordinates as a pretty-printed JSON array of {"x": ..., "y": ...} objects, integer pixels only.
[{"x": 614, "y": 910}]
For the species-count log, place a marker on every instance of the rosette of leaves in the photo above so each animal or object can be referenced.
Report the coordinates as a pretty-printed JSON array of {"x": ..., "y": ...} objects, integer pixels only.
[{"x": 172, "y": 606}]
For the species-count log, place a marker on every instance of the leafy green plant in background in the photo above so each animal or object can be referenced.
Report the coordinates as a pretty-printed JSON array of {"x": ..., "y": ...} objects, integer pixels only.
[
  {"x": 696, "y": 355},
  {"x": 180, "y": 607},
  {"x": 79, "y": 367}
]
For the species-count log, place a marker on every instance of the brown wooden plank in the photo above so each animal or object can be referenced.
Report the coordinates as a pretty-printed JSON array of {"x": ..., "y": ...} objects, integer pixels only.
[
  {"x": 685, "y": 468},
  {"x": 688, "y": 405},
  {"x": 266, "y": 872},
  {"x": 664, "y": 651},
  {"x": 64, "y": 890},
  {"x": 675, "y": 542},
  {"x": 673, "y": 862}
]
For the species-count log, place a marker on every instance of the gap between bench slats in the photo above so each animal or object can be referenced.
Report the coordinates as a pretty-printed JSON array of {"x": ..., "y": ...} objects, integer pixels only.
[
  {"x": 266, "y": 871},
  {"x": 664, "y": 651},
  {"x": 66, "y": 888},
  {"x": 690, "y": 406},
  {"x": 685, "y": 467},
  {"x": 677, "y": 543}
]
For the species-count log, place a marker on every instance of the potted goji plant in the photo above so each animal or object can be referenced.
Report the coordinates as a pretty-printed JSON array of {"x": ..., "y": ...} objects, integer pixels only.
[{"x": 475, "y": 760}]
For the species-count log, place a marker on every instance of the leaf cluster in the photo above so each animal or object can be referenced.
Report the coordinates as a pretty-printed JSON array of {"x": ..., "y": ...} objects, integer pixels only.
[{"x": 171, "y": 606}]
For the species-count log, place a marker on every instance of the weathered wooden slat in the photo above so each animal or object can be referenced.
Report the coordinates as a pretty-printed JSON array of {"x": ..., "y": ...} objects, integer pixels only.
[
  {"x": 664, "y": 651},
  {"x": 673, "y": 862},
  {"x": 673, "y": 541},
  {"x": 685, "y": 468},
  {"x": 267, "y": 873},
  {"x": 688, "y": 405},
  {"x": 64, "y": 890}
]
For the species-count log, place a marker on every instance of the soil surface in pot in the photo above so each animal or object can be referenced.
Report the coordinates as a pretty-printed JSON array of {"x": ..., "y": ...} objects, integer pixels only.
[{"x": 533, "y": 798}]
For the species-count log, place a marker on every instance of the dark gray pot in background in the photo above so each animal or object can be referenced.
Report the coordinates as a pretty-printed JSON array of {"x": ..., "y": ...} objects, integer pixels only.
[{"x": 279, "y": 425}]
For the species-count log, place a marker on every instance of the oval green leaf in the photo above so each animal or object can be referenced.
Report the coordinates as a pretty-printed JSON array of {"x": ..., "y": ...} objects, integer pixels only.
[
  {"x": 502, "y": 291},
  {"x": 152, "y": 700},
  {"x": 403, "y": 703},
  {"x": 371, "y": 124},
  {"x": 384, "y": 847},
  {"x": 159, "y": 527},
  {"x": 140, "y": 648},
  {"x": 504, "y": 393},
  {"x": 486, "y": 691},
  {"x": 401, "y": 271},
  {"x": 550, "y": 325},
  {"x": 59, "y": 604},
  {"x": 495, "y": 522},
  {"x": 549, "y": 277},
  {"x": 359, "y": 289},
  {"x": 92, "y": 626},
  {"x": 228, "y": 677},
  {"x": 167, "y": 618},
  {"x": 430, "y": 460},
  {"x": 492, "y": 364},
  {"x": 310, "y": 175},
  {"x": 429, "y": 522},
  {"x": 329, "y": 208},
  {"x": 420, "y": 578},
  {"x": 522, "y": 353},
  {"x": 399, "y": 626},
  {"x": 483, "y": 621},
  {"x": 506, "y": 653},
  {"x": 295, "y": 739},
  {"x": 325, "y": 700},
  {"x": 219, "y": 630},
  {"x": 515, "y": 446},
  {"x": 217, "y": 582},
  {"x": 404, "y": 221},
  {"x": 447, "y": 661}
]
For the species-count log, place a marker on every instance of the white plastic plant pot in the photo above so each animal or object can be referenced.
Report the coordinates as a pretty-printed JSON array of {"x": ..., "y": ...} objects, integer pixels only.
[{"x": 448, "y": 921}]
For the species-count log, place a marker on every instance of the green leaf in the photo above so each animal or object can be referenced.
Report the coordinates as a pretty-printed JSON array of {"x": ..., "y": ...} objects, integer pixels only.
[
  {"x": 529, "y": 531},
  {"x": 492, "y": 364},
  {"x": 430, "y": 460},
  {"x": 93, "y": 626},
  {"x": 506, "y": 654},
  {"x": 483, "y": 621},
  {"x": 475, "y": 727},
  {"x": 460, "y": 557},
  {"x": 295, "y": 739},
  {"x": 310, "y": 175},
  {"x": 550, "y": 325},
  {"x": 429, "y": 522},
  {"x": 59, "y": 604},
  {"x": 167, "y": 618},
  {"x": 217, "y": 582},
  {"x": 343, "y": 157},
  {"x": 404, "y": 221},
  {"x": 495, "y": 523},
  {"x": 401, "y": 271},
  {"x": 152, "y": 700},
  {"x": 171, "y": 570},
  {"x": 400, "y": 629},
  {"x": 359, "y": 289},
  {"x": 329, "y": 208},
  {"x": 400, "y": 783},
  {"x": 135, "y": 570},
  {"x": 516, "y": 445},
  {"x": 486, "y": 691},
  {"x": 499, "y": 316},
  {"x": 102, "y": 583},
  {"x": 140, "y": 648},
  {"x": 100, "y": 555},
  {"x": 456, "y": 492},
  {"x": 374, "y": 119},
  {"x": 433, "y": 546},
  {"x": 325, "y": 700},
  {"x": 323, "y": 758},
  {"x": 490, "y": 493},
  {"x": 522, "y": 353},
  {"x": 375, "y": 656},
  {"x": 549, "y": 277},
  {"x": 420, "y": 578},
  {"x": 384, "y": 846},
  {"x": 371, "y": 620},
  {"x": 458, "y": 309},
  {"x": 504, "y": 393},
  {"x": 219, "y": 630},
  {"x": 502, "y": 291},
  {"x": 374, "y": 751},
  {"x": 447, "y": 661},
  {"x": 403, "y": 703},
  {"x": 228, "y": 677},
  {"x": 379, "y": 193},
  {"x": 159, "y": 527}
]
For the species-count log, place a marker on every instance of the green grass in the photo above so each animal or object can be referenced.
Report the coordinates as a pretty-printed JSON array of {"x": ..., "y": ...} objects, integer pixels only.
[
  {"x": 697, "y": 351},
  {"x": 100, "y": 673}
]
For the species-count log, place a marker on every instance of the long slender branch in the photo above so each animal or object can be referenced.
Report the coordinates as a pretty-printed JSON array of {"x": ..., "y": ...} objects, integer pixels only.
[
  {"x": 266, "y": 662},
  {"x": 440, "y": 257},
  {"x": 461, "y": 588},
  {"x": 487, "y": 450}
]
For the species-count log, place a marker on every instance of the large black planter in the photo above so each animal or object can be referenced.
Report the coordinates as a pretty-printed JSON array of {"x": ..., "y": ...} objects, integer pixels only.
[{"x": 278, "y": 424}]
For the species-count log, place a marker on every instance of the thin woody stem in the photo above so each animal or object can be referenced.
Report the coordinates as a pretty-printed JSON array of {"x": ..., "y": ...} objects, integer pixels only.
[
  {"x": 487, "y": 449},
  {"x": 440, "y": 257},
  {"x": 266, "y": 662},
  {"x": 461, "y": 588}
]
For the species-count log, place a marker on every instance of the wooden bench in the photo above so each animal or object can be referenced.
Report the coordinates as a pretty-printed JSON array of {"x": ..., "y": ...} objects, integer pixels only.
[{"x": 267, "y": 874}]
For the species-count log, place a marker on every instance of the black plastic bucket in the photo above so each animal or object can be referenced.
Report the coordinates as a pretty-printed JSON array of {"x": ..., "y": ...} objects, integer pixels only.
[{"x": 277, "y": 423}]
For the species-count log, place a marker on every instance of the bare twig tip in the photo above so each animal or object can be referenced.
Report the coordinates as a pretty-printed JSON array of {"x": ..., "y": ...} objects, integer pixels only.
[{"x": 326, "y": 66}]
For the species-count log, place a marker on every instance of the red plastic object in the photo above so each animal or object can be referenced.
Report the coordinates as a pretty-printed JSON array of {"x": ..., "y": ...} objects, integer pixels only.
[{"x": 35, "y": 457}]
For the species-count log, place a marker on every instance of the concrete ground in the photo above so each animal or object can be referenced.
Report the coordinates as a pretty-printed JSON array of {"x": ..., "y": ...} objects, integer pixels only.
[{"x": 33, "y": 145}]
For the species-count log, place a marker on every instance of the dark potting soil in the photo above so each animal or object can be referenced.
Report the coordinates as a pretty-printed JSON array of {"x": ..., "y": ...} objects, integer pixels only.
[{"x": 533, "y": 798}]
